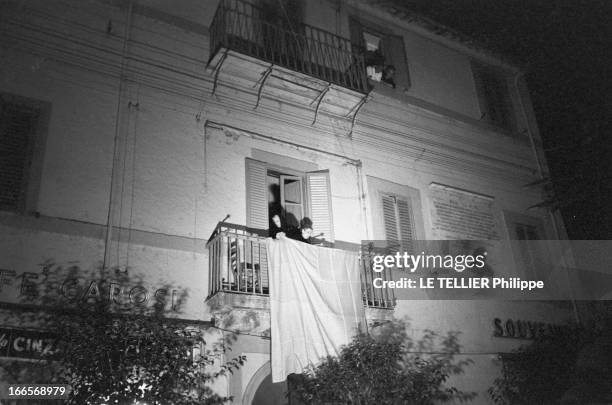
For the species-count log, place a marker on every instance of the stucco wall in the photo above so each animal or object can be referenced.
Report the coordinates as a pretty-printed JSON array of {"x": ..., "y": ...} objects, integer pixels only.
[{"x": 177, "y": 174}]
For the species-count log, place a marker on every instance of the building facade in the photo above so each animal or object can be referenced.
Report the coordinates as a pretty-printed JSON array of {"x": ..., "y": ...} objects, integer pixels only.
[{"x": 149, "y": 138}]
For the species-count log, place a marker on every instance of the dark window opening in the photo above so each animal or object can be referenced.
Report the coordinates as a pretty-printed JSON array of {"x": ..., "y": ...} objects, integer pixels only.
[
  {"x": 494, "y": 97},
  {"x": 384, "y": 54},
  {"x": 18, "y": 124}
]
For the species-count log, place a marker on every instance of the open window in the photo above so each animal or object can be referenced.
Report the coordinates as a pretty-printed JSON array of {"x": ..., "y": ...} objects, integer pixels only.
[
  {"x": 291, "y": 199},
  {"x": 298, "y": 194},
  {"x": 384, "y": 53}
]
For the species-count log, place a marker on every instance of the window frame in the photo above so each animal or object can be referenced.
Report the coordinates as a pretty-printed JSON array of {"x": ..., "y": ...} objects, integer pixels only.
[
  {"x": 305, "y": 177},
  {"x": 377, "y": 188},
  {"x": 537, "y": 250},
  {"x": 283, "y": 173},
  {"x": 501, "y": 112},
  {"x": 33, "y": 156},
  {"x": 358, "y": 26}
]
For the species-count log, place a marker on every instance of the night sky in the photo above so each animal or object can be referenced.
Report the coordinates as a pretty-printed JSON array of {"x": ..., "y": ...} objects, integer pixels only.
[{"x": 564, "y": 46}]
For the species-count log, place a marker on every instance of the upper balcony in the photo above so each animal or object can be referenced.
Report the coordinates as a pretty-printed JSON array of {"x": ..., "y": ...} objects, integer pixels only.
[
  {"x": 238, "y": 272},
  {"x": 298, "y": 62}
]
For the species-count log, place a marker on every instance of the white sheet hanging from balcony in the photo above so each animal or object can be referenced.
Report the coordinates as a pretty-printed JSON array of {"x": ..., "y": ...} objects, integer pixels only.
[{"x": 315, "y": 303}]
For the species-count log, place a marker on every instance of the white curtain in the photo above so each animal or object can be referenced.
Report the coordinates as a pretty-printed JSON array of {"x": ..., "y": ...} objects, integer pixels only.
[{"x": 315, "y": 303}]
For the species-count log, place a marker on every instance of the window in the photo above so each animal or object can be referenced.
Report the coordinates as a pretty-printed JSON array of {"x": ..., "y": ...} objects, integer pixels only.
[
  {"x": 300, "y": 194},
  {"x": 526, "y": 232},
  {"x": 20, "y": 120},
  {"x": 396, "y": 214},
  {"x": 493, "y": 96},
  {"x": 384, "y": 53},
  {"x": 398, "y": 218},
  {"x": 287, "y": 192},
  {"x": 530, "y": 252}
]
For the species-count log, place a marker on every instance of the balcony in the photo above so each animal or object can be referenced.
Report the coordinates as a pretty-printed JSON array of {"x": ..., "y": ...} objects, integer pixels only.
[
  {"x": 298, "y": 62},
  {"x": 238, "y": 270}
]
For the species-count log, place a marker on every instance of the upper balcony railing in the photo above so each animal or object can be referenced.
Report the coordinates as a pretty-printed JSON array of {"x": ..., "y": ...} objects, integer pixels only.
[
  {"x": 246, "y": 28},
  {"x": 238, "y": 263}
]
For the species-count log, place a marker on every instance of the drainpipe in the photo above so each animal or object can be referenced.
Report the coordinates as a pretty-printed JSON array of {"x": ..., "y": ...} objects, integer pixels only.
[
  {"x": 111, "y": 204},
  {"x": 362, "y": 202},
  {"x": 541, "y": 176}
]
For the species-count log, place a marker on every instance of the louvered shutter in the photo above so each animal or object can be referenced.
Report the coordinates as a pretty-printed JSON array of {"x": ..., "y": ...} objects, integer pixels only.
[
  {"x": 319, "y": 195},
  {"x": 399, "y": 222},
  {"x": 16, "y": 127},
  {"x": 480, "y": 90},
  {"x": 390, "y": 218},
  {"x": 406, "y": 224},
  {"x": 257, "y": 217},
  {"x": 257, "y": 194},
  {"x": 395, "y": 54},
  {"x": 406, "y": 220}
]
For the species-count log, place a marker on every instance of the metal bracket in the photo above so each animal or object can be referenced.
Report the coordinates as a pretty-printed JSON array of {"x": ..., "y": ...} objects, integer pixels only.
[
  {"x": 217, "y": 69},
  {"x": 356, "y": 110},
  {"x": 262, "y": 82},
  {"x": 319, "y": 99}
]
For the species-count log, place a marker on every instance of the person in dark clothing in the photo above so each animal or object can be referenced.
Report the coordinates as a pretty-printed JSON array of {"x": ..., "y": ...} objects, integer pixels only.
[
  {"x": 275, "y": 212},
  {"x": 276, "y": 225},
  {"x": 388, "y": 75},
  {"x": 304, "y": 232}
]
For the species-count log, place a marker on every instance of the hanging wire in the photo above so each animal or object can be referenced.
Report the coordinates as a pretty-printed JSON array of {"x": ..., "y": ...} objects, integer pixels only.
[{"x": 133, "y": 185}]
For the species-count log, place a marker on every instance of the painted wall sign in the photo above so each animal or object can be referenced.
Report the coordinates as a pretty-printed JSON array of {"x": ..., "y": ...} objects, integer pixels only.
[
  {"x": 85, "y": 291},
  {"x": 520, "y": 329},
  {"x": 33, "y": 288},
  {"x": 27, "y": 344},
  {"x": 458, "y": 214}
]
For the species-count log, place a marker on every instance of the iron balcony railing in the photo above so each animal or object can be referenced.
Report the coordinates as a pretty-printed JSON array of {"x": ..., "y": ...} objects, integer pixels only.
[
  {"x": 238, "y": 263},
  {"x": 250, "y": 30}
]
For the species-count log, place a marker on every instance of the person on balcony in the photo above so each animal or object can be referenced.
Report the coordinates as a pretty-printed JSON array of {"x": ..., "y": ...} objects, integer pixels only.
[
  {"x": 374, "y": 65},
  {"x": 276, "y": 225},
  {"x": 388, "y": 75},
  {"x": 303, "y": 233}
]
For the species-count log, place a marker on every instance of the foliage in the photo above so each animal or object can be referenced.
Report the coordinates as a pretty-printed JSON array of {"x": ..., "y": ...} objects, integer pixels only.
[
  {"x": 115, "y": 353},
  {"x": 571, "y": 366},
  {"x": 108, "y": 358},
  {"x": 385, "y": 367}
]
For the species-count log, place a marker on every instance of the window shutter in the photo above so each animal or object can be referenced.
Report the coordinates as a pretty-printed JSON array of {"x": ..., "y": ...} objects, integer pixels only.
[
  {"x": 406, "y": 220},
  {"x": 390, "y": 218},
  {"x": 493, "y": 92},
  {"x": 257, "y": 194},
  {"x": 17, "y": 123},
  {"x": 356, "y": 35},
  {"x": 399, "y": 222},
  {"x": 395, "y": 54},
  {"x": 480, "y": 90},
  {"x": 319, "y": 195}
]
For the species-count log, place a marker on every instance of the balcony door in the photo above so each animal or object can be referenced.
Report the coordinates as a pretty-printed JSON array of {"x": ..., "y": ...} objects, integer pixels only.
[
  {"x": 291, "y": 199},
  {"x": 281, "y": 29}
]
